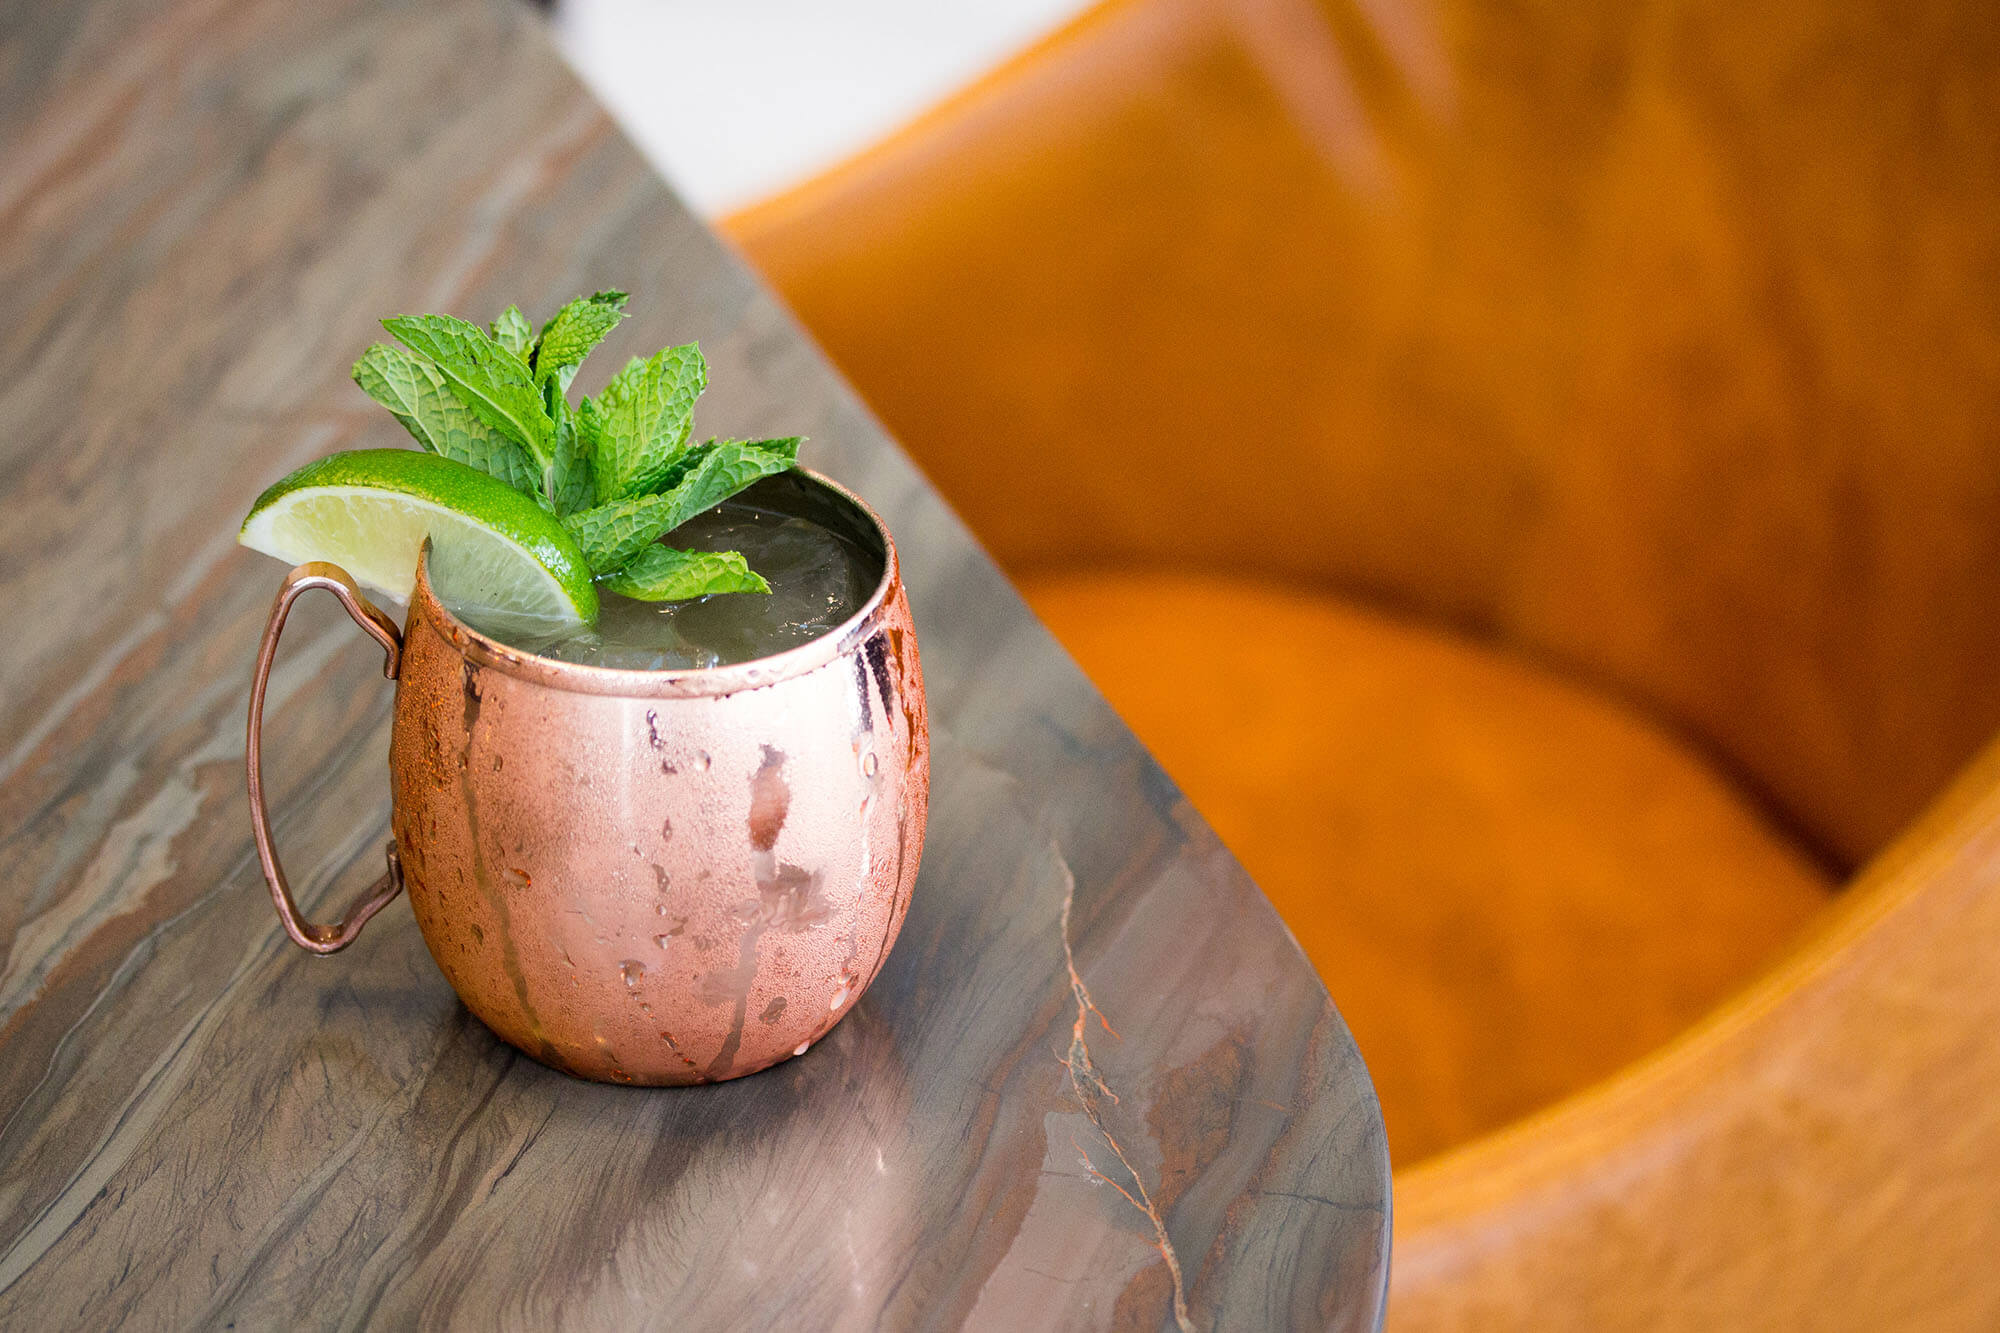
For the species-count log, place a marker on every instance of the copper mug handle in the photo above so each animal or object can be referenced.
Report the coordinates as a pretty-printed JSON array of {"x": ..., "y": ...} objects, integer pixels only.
[{"x": 304, "y": 933}]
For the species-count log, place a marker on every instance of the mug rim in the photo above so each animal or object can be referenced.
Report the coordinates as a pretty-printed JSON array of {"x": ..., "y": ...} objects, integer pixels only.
[{"x": 674, "y": 682}]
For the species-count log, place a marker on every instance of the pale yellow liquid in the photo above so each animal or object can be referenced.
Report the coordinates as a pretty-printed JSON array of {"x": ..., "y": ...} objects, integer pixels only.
[{"x": 818, "y": 579}]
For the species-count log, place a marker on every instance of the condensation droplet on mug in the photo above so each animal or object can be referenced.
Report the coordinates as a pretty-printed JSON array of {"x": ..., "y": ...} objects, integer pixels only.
[
  {"x": 632, "y": 969},
  {"x": 869, "y": 763},
  {"x": 666, "y": 830},
  {"x": 664, "y": 941},
  {"x": 497, "y": 761},
  {"x": 702, "y": 761},
  {"x": 801, "y": 1048},
  {"x": 653, "y": 728},
  {"x": 518, "y": 879},
  {"x": 847, "y": 984},
  {"x": 660, "y": 882}
]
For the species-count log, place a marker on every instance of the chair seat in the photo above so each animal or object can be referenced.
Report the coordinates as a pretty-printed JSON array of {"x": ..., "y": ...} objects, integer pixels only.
[{"x": 1512, "y": 885}]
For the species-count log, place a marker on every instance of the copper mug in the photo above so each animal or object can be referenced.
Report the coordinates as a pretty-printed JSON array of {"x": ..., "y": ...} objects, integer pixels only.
[{"x": 654, "y": 877}]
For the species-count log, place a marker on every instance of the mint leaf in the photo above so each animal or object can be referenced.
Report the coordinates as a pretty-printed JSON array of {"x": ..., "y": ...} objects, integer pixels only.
[
  {"x": 672, "y": 475},
  {"x": 663, "y": 574},
  {"x": 609, "y": 535},
  {"x": 569, "y": 337},
  {"x": 717, "y": 471},
  {"x": 485, "y": 376},
  {"x": 570, "y": 485},
  {"x": 415, "y": 392},
  {"x": 511, "y": 331},
  {"x": 639, "y": 424},
  {"x": 612, "y": 534}
]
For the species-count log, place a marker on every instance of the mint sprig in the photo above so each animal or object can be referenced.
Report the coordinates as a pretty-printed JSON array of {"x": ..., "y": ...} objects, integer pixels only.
[
  {"x": 664, "y": 574},
  {"x": 569, "y": 337},
  {"x": 617, "y": 470},
  {"x": 512, "y": 331},
  {"x": 640, "y": 423},
  {"x": 483, "y": 375},
  {"x": 413, "y": 388}
]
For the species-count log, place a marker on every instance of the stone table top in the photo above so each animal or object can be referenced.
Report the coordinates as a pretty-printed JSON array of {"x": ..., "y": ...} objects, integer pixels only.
[{"x": 204, "y": 206}]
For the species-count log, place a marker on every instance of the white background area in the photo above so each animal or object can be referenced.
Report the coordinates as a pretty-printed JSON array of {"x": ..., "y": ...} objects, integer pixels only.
[{"x": 733, "y": 100}]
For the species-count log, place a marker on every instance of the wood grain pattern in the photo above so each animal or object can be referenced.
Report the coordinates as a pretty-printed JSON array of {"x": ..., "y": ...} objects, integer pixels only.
[{"x": 203, "y": 207}]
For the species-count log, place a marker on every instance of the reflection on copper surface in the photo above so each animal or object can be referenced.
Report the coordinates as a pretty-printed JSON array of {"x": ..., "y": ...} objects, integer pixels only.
[
  {"x": 649, "y": 876},
  {"x": 308, "y": 934}
]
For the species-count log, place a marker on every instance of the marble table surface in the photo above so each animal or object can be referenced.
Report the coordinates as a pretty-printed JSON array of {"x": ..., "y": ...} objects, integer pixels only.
[{"x": 204, "y": 205}]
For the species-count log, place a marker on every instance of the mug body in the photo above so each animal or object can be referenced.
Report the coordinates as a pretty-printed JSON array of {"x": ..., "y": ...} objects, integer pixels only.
[{"x": 664, "y": 877}]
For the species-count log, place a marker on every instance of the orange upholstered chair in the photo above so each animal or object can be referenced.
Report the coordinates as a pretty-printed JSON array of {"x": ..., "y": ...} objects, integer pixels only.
[{"x": 1559, "y": 449}]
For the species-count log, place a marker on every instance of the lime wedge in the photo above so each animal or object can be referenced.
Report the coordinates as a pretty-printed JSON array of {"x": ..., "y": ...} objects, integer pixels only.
[{"x": 370, "y": 510}]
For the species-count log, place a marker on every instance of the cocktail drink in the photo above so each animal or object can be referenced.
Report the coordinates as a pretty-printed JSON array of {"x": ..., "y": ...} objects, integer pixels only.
[
  {"x": 660, "y": 763},
  {"x": 669, "y": 875},
  {"x": 818, "y": 578}
]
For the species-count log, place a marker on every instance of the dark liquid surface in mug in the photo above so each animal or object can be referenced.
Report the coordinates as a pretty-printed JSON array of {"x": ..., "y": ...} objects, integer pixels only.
[{"x": 818, "y": 579}]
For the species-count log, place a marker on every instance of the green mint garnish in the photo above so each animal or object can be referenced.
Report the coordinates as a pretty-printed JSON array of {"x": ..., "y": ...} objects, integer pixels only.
[
  {"x": 413, "y": 389},
  {"x": 511, "y": 331},
  {"x": 568, "y": 338},
  {"x": 485, "y": 376},
  {"x": 570, "y": 487},
  {"x": 663, "y": 574},
  {"x": 640, "y": 422},
  {"x": 616, "y": 470},
  {"x": 610, "y": 535}
]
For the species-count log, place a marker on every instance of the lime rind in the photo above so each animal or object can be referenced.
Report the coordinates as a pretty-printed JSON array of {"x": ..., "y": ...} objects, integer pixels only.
[{"x": 370, "y": 510}]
